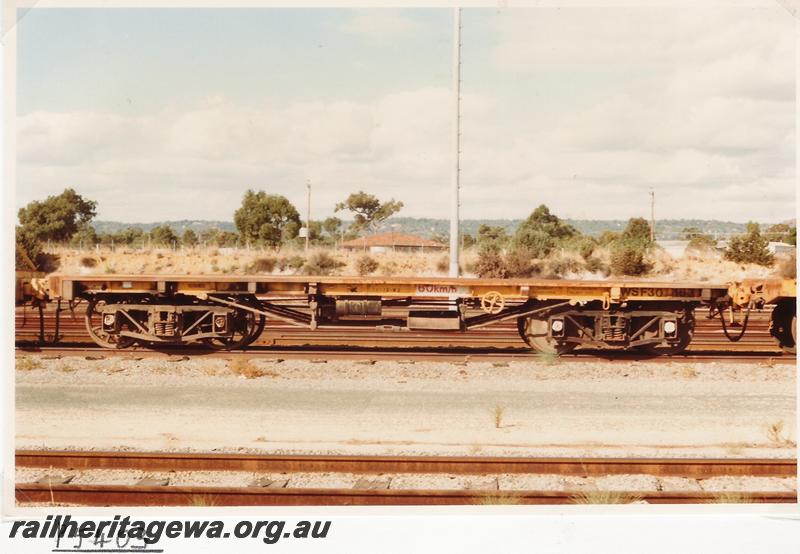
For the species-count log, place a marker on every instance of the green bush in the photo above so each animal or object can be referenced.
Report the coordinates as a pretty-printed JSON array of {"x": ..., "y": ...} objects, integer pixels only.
[
  {"x": 443, "y": 264},
  {"x": 701, "y": 243},
  {"x": 750, "y": 248},
  {"x": 582, "y": 244},
  {"x": 607, "y": 237},
  {"x": 294, "y": 263},
  {"x": 596, "y": 265},
  {"x": 366, "y": 265},
  {"x": 542, "y": 231},
  {"x": 520, "y": 264},
  {"x": 628, "y": 258},
  {"x": 559, "y": 266},
  {"x": 490, "y": 265},
  {"x": 261, "y": 265},
  {"x": 322, "y": 263}
]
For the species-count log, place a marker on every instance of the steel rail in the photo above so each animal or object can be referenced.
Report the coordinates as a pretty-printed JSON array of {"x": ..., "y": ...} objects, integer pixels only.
[
  {"x": 137, "y": 495},
  {"x": 403, "y": 354},
  {"x": 697, "y": 468}
]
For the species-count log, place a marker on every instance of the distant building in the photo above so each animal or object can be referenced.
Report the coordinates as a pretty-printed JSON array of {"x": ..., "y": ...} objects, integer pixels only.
[
  {"x": 393, "y": 242},
  {"x": 780, "y": 248},
  {"x": 675, "y": 248}
]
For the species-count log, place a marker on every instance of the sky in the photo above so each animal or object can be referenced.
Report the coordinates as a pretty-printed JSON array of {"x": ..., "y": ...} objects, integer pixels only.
[{"x": 167, "y": 114}]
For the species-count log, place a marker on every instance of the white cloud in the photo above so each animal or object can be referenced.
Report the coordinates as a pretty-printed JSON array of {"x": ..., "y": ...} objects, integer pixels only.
[
  {"x": 705, "y": 118},
  {"x": 380, "y": 24}
]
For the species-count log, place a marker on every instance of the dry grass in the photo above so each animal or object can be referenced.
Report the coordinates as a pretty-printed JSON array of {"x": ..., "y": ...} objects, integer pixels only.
[
  {"x": 201, "y": 500},
  {"x": 27, "y": 364},
  {"x": 775, "y": 431},
  {"x": 732, "y": 497},
  {"x": 257, "y": 260},
  {"x": 548, "y": 358},
  {"x": 735, "y": 448},
  {"x": 248, "y": 370},
  {"x": 498, "y": 413},
  {"x": 499, "y": 499},
  {"x": 688, "y": 373},
  {"x": 775, "y": 434},
  {"x": 605, "y": 497},
  {"x": 244, "y": 368}
]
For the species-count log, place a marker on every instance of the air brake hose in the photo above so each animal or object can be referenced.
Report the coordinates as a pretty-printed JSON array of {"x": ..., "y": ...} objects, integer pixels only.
[{"x": 725, "y": 327}]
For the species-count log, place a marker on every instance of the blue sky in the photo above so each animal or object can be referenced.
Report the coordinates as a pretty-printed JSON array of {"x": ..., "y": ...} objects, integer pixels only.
[
  {"x": 137, "y": 60},
  {"x": 583, "y": 110}
]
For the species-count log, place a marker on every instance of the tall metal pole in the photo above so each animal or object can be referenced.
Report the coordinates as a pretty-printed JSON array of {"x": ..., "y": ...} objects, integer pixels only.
[
  {"x": 652, "y": 216},
  {"x": 308, "y": 212},
  {"x": 456, "y": 141}
]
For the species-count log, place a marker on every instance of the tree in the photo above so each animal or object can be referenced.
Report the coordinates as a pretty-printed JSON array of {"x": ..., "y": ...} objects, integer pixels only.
[
  {"x": 368, "y": 210},
  {"x": 219, "y": 238},
  {"x": 688, "y": 233},
  {"x": 163, "y": 234},
  {"x": 542, "y": 231},
  {"x": 127, "y": 236},
  {"x": 607, "y": 237},
  {"x": 638, "y": 231},
  {"x": 440, "y": 238},
  {"x": 331, "y": 226},
  {"x": 56, "y": 218},
  {"x": 314, "y": 231},
  {"x": 491, "y": 238},
  {"x": 698, "y": 241},
  {"x": 27, "y": 250},
  {"x": 268, "y": 219},
  {"x": 85, "y": 236},
  {"x": 751, "y": 247},
  {"x": 781, "y": 232},
  {"x": 628, "y": 258},
  {"x": 189, "y": 238}
]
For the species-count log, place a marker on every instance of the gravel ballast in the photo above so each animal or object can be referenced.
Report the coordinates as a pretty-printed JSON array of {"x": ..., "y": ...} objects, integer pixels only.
[{"x": 567, "y": 408}]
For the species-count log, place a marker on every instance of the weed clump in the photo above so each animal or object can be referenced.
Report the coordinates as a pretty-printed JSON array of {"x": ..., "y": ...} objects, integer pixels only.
[
  {"x": 245, "y": 368},
  {"x": 605, "y": 497},
  {"x": 366, "y": 265},
  {"x": 27, "y": 364},
  {"x": 322, "y": 263},
  {"x": 498, "y": 413},
  {"x": 261, "y": 265}
]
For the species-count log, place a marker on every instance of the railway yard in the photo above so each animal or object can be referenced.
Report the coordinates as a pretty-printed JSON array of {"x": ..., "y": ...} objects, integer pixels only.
[{"x": 336, "y": 400}]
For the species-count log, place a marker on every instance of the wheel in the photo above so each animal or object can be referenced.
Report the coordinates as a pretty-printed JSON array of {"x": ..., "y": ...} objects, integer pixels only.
[
  {"x": 533, "y": 331},
  {"x": 783, "y": 326},
  {"x": 685, "y": 335},
  {"x": 257, "y": 330},
  {"x": 95, "y": 328},
  {"x": 245, "y": 331}
]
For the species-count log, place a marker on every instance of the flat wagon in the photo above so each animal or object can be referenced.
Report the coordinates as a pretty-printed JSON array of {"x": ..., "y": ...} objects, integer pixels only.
[{"x": 556, "y": 316}]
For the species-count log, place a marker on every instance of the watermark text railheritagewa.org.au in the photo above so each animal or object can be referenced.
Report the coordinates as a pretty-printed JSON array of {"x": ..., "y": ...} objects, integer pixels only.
[{"x": 122, "y": 534}]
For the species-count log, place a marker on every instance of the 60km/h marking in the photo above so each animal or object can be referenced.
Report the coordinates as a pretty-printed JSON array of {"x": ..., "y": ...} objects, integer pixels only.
[{"x": 441, "y": 290}]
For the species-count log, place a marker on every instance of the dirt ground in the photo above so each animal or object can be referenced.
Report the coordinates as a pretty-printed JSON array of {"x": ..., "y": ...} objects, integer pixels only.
[{"x": 523, "y": 408}]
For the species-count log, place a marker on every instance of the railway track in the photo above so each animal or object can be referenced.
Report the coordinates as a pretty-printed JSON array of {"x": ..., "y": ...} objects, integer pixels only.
[
  {"x": 695, "y": 468},
  {"x": 134, "y": 495},
  {"x": 366, "y": 492},
  {"x": 377, "y": 353}
]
